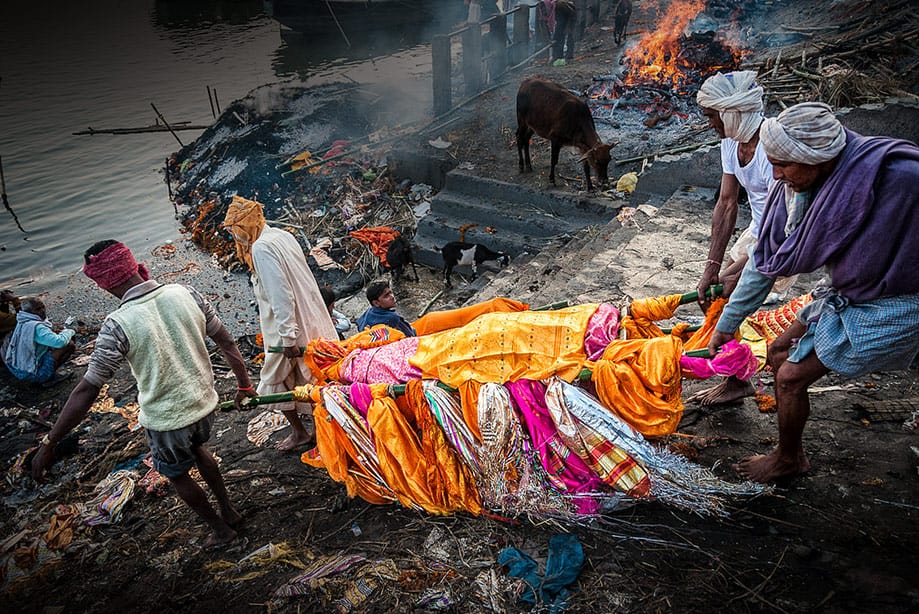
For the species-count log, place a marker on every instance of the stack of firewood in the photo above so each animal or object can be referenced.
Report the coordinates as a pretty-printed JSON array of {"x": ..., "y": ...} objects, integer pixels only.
[{"x": 870, "y": 55}]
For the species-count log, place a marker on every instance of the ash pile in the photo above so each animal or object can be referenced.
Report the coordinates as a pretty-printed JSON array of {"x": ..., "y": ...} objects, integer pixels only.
[{"x": 303, "y": 153}]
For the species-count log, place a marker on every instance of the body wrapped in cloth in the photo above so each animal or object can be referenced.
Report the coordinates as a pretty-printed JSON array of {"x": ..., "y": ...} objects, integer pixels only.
[{"x": 486, "y": 419}]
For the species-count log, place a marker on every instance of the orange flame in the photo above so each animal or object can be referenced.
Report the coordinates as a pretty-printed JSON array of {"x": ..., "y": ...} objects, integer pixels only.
[{"x": 655, "y": 57}]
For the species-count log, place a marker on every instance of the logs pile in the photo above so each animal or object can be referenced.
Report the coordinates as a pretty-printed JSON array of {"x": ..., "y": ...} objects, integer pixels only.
[{"x": 871, "y": 55}]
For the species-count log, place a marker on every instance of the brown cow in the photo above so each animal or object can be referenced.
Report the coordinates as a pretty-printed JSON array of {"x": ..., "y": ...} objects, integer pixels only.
[{"x": 554, "y": 113}]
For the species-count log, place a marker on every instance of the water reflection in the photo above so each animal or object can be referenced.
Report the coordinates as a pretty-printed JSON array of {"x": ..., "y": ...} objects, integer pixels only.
[
  {"x": 67, "y": 66},
  {"x": 191, "y": 14}
]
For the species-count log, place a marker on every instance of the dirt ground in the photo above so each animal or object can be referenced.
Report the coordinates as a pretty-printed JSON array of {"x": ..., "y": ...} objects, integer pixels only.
[{"x": 843, "y": 538}]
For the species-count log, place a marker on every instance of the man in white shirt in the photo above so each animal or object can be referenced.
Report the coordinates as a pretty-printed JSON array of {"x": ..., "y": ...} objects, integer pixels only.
[{"x": 733, "y": 104}]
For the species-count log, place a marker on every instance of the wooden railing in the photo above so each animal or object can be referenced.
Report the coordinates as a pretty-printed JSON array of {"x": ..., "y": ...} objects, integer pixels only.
[{"x": 486, "y": 57}]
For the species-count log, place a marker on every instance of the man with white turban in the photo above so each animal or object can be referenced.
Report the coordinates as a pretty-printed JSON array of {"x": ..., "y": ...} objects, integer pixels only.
[
  {"x": 850, "y": 203},
  {"x": 290, "y": 308},
  {"x": 733, "y": 104}
]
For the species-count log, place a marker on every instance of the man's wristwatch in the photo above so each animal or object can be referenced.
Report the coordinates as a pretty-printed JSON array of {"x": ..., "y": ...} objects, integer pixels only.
[{"x": 46, "y": 440}]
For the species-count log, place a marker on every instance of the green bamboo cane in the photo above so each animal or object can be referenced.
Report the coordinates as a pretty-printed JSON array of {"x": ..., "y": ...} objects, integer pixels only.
[
  {"x": 396, "y": 389},
  {"x": 692, "y": 297}
]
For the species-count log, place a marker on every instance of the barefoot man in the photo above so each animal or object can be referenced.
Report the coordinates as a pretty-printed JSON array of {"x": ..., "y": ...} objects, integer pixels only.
[
  {"x": 290, "y": 308},
  {"x": 160, "y": 330},
  {"x": 733, "y": 104},
  {"x": 850, "y": 203}
]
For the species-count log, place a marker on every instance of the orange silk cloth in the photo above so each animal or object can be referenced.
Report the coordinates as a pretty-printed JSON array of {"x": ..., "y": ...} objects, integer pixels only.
[
  {"x": 643, "y": 313},
  {"x": 503, "y": 347},
  {"x": 438, "y": 321},
  {"x": 336, "y": 453},
  {"x": 418, "y": 462},
  {"x": 377, "y": 238},
  {"x": 639, "y": 379}
]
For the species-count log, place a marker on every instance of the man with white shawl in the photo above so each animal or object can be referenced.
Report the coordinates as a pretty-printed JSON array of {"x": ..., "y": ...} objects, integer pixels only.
[
  {"x": 733, "y": 104},
  {"x": 291, "y": 310},
  {"x": 849, "y": 203}
]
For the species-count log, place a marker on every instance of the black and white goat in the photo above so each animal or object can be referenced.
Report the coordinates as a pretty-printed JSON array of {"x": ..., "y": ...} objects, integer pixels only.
[{"x": 470, "y": 254}]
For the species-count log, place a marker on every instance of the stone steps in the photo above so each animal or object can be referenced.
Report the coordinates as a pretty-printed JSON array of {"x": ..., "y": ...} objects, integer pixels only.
[
  {"x": 661, "y": 250},
  {"x": 508, "y": 217}
]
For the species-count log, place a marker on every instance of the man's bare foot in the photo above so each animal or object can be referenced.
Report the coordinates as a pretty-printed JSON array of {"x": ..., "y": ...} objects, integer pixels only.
[
  {"x": 294, "y": 441},
  {"x": 730, "y": 390},
  {"x": 219, "y": 538},
  {"x": 770, "y": 467},
  {"x": 233, "y": 518}
]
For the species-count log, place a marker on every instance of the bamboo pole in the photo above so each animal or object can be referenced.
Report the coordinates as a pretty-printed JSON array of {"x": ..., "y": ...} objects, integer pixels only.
[
  {"x": 165, "y": 123},
  {"x": 665, "y": 152},
  {"x": 395, "y": 389}
]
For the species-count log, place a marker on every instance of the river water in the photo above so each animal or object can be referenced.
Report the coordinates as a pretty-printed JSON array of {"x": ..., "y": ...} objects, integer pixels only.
[{"x": 67, "y": 66}]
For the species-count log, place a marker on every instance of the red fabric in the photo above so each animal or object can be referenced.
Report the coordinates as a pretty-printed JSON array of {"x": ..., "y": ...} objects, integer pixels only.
[{"x": 113, "y": 266}]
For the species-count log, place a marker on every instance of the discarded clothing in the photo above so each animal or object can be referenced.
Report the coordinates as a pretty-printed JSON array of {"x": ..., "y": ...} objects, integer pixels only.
[{"x": 563, "y": 566}]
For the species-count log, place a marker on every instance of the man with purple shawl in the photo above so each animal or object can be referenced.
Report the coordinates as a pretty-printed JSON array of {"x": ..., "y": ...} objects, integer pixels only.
[{"x": 849, "y": 203}]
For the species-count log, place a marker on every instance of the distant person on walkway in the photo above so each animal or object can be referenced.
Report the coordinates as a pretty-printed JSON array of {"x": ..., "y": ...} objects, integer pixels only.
[
  {"x": 33, "y": 351},
  {"x": 563, "y": 35},
  {"x": 160, "y": 330},
  {"x": 341, "y": 321},
  {"x": 850, "y": 203},
  {"x": 623, "y": 13},
  {"x": 480, "y": 9},
  {"x": 733, "y": 104},
  {"x": 383, "y": 310},
  {"x": 290, "y": 308}
]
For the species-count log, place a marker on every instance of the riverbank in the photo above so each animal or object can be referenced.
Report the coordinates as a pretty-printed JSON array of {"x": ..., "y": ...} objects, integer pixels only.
[{"x": 840, "y": 539}]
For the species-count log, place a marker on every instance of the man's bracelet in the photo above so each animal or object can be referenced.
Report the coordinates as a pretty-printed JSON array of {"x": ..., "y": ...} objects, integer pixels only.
[
  {"x": 715, "y": 262},
  {"x": 46, "y": 440},
  {"x": 249, "y": 388}
]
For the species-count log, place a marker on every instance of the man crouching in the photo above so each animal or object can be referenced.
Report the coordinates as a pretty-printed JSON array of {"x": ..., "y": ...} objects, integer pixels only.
[{"x": 160, "y": 330}]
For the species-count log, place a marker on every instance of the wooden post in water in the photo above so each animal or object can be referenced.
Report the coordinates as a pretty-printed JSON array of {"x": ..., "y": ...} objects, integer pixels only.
[
  {"x": 440, "y": 60},
  {"x": 521, "y": 34},
  {"x": 211, "y": 101},
  {"x": 472, "y": 58}
]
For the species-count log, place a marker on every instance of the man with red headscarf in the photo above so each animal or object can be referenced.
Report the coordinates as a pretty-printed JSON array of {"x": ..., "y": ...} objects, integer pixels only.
[{"x": 160, "y": 330}]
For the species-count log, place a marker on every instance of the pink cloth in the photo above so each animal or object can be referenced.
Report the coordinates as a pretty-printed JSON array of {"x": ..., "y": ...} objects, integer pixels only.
[
  {"x": 735, "y": 359},
  {"x": 360, "y": 397},
  {"x": 567, "y": 472},
  {"x": 113, "y": 266},
  {"x": 386, "y": 364},
  {"x": 602, "y": 328}
]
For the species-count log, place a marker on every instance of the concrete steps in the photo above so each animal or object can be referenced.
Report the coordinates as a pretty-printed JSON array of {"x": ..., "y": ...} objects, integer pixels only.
[{"x": 660, "y": 250}]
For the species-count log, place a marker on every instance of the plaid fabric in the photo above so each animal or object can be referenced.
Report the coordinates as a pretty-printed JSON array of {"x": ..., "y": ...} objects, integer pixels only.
[
  {"x": 613, "y": 464},
  {"x": 853, "y": 339}
]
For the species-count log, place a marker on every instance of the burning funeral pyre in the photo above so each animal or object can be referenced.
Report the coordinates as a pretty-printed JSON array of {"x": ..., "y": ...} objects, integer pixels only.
[{"x": 671, "y": 60}]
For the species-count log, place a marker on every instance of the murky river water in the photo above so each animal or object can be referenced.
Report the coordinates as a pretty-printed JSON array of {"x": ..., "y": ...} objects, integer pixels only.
[{"x": 66, "y": 66}]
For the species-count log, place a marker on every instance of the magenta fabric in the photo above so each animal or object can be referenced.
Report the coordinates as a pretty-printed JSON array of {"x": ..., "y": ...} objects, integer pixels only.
[
  {"x": 567, "y": 472},
  {"x": 360, "y": 397},
  {"x": 602, "y": 328},
  {"x": 386, "y": 364},
  {"x": 113, "y": 266},
  {"x": 735, "y": 359}
]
